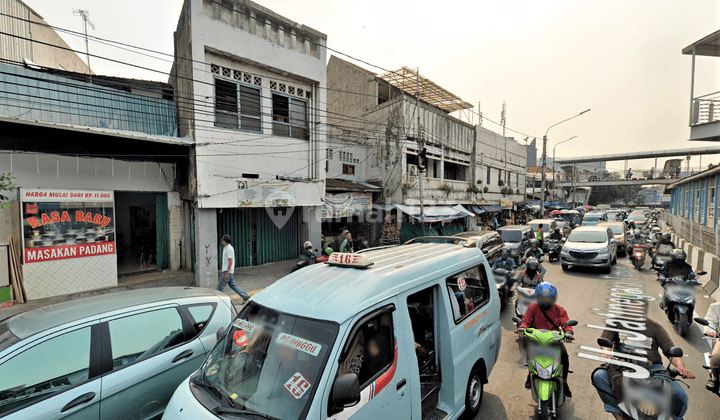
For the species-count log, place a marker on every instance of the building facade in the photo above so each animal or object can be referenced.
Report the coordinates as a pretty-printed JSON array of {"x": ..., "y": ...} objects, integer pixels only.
[{"x": 250, "y": 87}]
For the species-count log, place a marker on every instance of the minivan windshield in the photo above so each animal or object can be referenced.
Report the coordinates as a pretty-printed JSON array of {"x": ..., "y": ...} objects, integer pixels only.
[
  {"x": 511, "y": 235},
  {"x": 588, "y": 236},
  {"x": 270, "y": 362},
  {"x": 636, "y": 218},
  {"x": 617, "y": 229}
]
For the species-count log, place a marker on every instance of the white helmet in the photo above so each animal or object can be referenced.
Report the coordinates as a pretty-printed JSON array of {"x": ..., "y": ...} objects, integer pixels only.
[
  {"x": 307, "y": 244},
  {"x": 656, "y": 229}
]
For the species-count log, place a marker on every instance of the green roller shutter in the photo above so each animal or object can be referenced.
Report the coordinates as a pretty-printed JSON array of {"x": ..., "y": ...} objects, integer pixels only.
[
  {"x": 277, "y": 243},
  {"x": 162, "y": 225},
  {"x": 238, "y": 224}
]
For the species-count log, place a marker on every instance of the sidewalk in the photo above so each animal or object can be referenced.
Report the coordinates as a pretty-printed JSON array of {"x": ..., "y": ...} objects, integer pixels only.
[{"x": 251, "y": 279}]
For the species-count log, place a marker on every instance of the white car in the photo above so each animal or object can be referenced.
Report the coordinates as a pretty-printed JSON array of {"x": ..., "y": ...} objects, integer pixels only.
[{"x": 590, "y": 246}]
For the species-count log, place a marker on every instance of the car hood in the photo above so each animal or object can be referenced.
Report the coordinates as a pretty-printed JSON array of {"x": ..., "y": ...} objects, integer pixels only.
[{"x": 582, "y": 246}]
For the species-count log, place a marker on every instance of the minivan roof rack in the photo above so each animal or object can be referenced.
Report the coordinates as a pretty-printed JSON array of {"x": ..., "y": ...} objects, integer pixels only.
[{"x": 467, "y": 243}]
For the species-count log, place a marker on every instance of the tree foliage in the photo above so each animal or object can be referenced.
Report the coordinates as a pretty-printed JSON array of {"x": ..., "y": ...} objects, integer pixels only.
[
  {"x": 611, "y": 194},
  {"x": 6, "y": 186}
]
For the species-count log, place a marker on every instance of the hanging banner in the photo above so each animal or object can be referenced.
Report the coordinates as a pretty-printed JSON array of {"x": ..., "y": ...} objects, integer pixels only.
[
  {"x": 346, "y": 205},
  {"x": 64, "y": 224},
  {"x": 266, "y": 194}
]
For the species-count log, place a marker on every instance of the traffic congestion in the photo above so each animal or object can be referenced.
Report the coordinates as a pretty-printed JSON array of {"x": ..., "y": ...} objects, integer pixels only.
[{"x": 438, "y": 327}]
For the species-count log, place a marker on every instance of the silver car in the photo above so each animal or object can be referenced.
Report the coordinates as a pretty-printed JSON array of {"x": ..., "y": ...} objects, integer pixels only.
[
  {"x": 114, "y": 356},
  {"x": 590, "y": 246}
]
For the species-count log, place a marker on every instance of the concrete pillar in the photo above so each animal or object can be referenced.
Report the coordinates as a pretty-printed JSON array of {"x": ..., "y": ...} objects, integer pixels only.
[
  {"x": 206, "y": 248},
  {"x": 699, "y": 260},
  {"x": 712, "y": 286},
  {"x": 311, "y": 229}
]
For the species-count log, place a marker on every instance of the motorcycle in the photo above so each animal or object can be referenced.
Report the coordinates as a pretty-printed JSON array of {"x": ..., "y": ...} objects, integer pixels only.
[
  {"x": 649, "y": 398},
  {"x": 554, "y": 247},
  {"x": 711, "y": 340},
  {"x": 505, "y": 285},
  {"x": 638, "y": 256},
  {"x": 662, "y": 255},
  {"x": 525, "y": 296},
  {"x": 306, "y": 258},
  {"x": 546, "y": 375},
  {"x": 678, "y": 302}
]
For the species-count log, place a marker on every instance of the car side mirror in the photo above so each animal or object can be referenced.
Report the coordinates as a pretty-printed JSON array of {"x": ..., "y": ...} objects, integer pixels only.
[
  {"x": 571, "y": 323},
  {"x": 675, "y": 352},
  {"x": 613, "y": 241},
  {"x": 220, "y": 333},
  {"x": 346, "y": 391},
  {"x": 702, "y": 321},
  {"x": 604, "y": 342},
  {"x": 701, "y": 273}
]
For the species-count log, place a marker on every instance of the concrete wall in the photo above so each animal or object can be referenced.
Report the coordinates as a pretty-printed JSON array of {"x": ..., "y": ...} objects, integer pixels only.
[
  {"x": 206, "y": 253},
  {"x": 49, "y": 55}
]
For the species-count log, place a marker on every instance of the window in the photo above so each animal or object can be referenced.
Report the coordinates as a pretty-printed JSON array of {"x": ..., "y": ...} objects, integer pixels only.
[
  {"x": 371, "y": 350},
  {"x": 468, "y": 292},
  {"x": 348, "y": 170},
  {"x": 228, "y": 95},
  {"x": 290, "y": 117},
  {"x": 487, "y": 180},
  {"x": 500, "y": 178},
  {"x": 200, "y": 315},
  {"x": 454, "y": 171},
  {"x": 140, "y": 336},
  {"x": 711, "y": 207},
  {"x": 51, "y": 366},
  {"x": 329, "y": 154}
]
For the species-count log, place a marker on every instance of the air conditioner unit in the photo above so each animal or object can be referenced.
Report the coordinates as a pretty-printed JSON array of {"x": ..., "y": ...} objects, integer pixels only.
[{"x": 412, "y": 170}]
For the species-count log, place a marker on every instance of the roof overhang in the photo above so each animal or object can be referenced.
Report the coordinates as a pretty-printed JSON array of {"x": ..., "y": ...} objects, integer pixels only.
[
  {"x": 700, "y": 175},
  {"x": 708, "y": 46},
  {"x": 348, "y": 185},
  {"x": 408, "y": 80}
]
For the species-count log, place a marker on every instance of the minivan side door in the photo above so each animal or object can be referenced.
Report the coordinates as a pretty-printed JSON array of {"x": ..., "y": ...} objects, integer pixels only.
[
  {"x": 375, "y": 349},
  {"x": 147, "y": 354},
  {"x": 54, "y": 377}
]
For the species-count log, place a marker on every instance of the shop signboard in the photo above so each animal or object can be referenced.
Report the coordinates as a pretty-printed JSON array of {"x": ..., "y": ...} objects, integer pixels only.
[
  {"x": 65, "y": 224},
  {"x": 346, "y": 205},
  {"x": 266, "y": 194},
  {"x": 506, "y": 203}
]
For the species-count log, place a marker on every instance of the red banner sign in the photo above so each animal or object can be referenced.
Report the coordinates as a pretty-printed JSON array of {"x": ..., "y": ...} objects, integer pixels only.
[{"x": 53, "y": 253}]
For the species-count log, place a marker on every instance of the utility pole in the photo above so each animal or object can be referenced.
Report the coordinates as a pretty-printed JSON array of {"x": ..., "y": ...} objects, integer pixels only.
[
  {"x": 542, "y": 178},
  {"x": 86, "y": 20},
  {"x": 421, "y": 146}
]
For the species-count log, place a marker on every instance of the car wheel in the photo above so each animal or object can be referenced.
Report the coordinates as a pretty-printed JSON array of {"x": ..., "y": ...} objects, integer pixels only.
[
  {"x": 614, "y": 261},
  {"x": 565, "y": 267},
  {"x": 608, "y": 269}
]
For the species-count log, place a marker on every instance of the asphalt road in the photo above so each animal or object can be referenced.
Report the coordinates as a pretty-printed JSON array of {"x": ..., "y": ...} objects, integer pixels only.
[{"x": 580, "y": 290}]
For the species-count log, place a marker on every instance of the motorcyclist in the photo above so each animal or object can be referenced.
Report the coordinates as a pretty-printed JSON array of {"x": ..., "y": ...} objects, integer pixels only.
[
  {"x": 535, "y": 252},
  {"x": 713, "y": 317},
  {"x": 531, "y": 276},
  {"x": 637, "y": 239},
  {"x": 505, "y": 261},
  {"x": 664, "y": 241},
  {"x": 607, "y": 381},
  {"x": 545, "y": 314},
  {"x": 556, "y": 234},
  {"x": 566, "y": 231},
  {"x": 655, "y": 234},
  {"x": 676, "y": 267}
]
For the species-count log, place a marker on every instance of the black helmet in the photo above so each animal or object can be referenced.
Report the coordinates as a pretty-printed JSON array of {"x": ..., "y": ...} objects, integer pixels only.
[
  {"x": 678, "y": 255},
  {"x": 532, "y": 264},
  {"x": 638, "y": 235},
  {"x": 557, "y": 230},
  {"x": 535, "y": 242},
  {"x": 665, "y": 238},
  {"x": 504, "y": 253}
]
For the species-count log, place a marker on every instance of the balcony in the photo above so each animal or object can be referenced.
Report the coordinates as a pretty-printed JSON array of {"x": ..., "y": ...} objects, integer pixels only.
[
  {"x": 705, "y": 118},
  {"x": 47, "y": 98}
]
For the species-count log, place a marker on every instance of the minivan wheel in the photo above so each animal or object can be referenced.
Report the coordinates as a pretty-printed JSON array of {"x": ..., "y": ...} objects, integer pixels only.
[{"x": 473, "y": 393}]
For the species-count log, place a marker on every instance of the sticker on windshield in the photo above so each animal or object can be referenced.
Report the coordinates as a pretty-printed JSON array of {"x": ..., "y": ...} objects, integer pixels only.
[
  {"x": 240, "y": 338},
  {"x": 462, "y": 285},
  {"x": 297, "y": 386},
  {"x": 303, "y": 345},
  {"x": 244, "y": 325}
]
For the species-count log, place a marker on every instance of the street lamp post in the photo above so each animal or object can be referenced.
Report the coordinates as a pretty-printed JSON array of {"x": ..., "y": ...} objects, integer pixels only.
[
  {"x": 544, "y": 162},
  {"x": 554, "y": 170}
]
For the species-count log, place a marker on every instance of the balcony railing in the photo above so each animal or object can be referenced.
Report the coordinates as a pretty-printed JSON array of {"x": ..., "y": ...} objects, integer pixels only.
[
  {"x": 37, "y": 96},
  {"x": 705, "y": 109}
]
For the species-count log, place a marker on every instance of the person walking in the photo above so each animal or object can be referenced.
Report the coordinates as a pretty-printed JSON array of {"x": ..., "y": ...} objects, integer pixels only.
[{"x": 227, "y": 276}]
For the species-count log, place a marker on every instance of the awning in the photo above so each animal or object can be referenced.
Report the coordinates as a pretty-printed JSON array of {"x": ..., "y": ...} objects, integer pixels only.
[
  {"x": 435, "y": 213},
  {"x": 348, "y": 185},
  {"x": 491, "y": 209},
  {"x": 478, "y": 210}
]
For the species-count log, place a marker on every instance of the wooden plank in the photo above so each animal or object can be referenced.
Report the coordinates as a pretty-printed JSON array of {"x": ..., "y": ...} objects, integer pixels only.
[{"x": 16, "y": 277}]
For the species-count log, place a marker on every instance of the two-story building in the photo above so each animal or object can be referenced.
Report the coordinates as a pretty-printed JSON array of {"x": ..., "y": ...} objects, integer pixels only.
[
  {"x": 377, "y": 126},
  {"x": 250, "y": 88}
]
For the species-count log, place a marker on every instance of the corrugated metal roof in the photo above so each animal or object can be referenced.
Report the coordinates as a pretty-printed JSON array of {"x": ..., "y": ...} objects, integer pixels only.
[{"x": 339, "y": 184}]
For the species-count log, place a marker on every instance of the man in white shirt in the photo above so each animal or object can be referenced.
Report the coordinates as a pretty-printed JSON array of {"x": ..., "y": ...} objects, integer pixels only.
[
  {"x": 228, "y": 270},
  {"x": 713, "y": 316}
]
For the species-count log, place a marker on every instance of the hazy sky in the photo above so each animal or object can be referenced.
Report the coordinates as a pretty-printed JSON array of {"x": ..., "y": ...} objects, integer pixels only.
[{"x": 548, "y": 60}]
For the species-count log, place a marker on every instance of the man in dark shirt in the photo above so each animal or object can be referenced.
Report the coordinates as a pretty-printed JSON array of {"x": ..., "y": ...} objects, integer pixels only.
[
  {"x": 676, "y": 267},
  {"x": 607, "y": 384}
]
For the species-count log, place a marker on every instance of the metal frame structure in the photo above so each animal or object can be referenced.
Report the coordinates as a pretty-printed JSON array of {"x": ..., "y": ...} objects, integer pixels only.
[{"x": 412, "y": 83}]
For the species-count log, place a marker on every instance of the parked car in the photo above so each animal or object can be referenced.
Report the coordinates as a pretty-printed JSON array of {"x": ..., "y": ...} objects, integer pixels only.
[
  {"x": 592, "y": 219},
  {"x": 517, "y": 239},
  {"x": 118, "y": 355},
  {"x": 590, "y": 246},
  {"x": 384, "y": 333},
  {"x": 620, "y": 231},
  {"x": 489, "y": 242}
]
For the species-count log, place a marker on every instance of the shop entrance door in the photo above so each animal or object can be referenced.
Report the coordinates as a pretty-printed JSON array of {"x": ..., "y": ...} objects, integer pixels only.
[{"x": 137, "y": 231}]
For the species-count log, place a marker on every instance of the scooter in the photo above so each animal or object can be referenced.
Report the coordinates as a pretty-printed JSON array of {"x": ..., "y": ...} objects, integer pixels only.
[
  {"x": 525, "y": 296},
  {"x": 306, "y": 258},
  {"x": 638, "y": 256},
  {"x": 505, "y": 284},
  {"x": 554, "y": 250},
  {"x": 711, "y": 341},
  {"x": 546, "y": 375},
  {"x": 662, "y": 255},
  {"x": 649, "y": 398},
  {"x": 678, "y": 302}
]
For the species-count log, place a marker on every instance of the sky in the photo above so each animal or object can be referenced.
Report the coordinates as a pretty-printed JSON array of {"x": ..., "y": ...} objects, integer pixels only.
[{"x": 547, "y": 60}]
